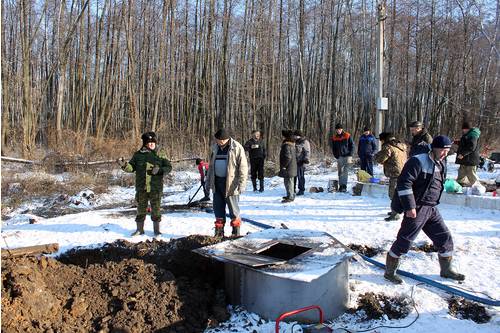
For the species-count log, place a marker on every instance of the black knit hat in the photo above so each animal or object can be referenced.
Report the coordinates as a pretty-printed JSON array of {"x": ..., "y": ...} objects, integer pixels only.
[
  {"x": 384, "y": 136},
  {"x": 366, "y": 129},
  {"x": 287, "y": 133},
  {"x": 298, "y": 133},
  {"x": 441, "y": 141},
  {"x": 466, "y": 125},
  {"x": 222, "y": 134},
  {"x": 198, "y": 161},
  {"x": 416, "y": 124},
  {"x": 148, "y": 137},
  {"x": 339, "y": 126}
]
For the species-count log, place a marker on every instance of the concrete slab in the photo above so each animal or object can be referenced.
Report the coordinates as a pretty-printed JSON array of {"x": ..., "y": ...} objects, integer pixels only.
[{"x": 472, "y": 201}]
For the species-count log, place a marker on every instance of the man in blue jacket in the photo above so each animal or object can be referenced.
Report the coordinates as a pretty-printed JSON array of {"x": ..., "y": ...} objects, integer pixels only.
[
  {"x": 417, "y": 194},
  {"x": 366, "y": 149}
]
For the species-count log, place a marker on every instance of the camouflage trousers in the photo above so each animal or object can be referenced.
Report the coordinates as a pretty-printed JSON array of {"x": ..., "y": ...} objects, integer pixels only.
[{"x": 142, "y": 198}]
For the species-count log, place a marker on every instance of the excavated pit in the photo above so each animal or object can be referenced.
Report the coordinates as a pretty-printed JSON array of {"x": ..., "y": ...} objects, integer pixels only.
[{"x": 151, "y": 286}]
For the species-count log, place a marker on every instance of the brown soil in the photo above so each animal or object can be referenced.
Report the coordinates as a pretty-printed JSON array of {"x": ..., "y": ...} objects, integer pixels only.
[
  {"x": 365, "y": 250},
  {"x": 151, "y": 286},
  {"x": 376, "y": 305},
  {"x": 463, "y": 309},
  {"x": 425, "y": 247}
]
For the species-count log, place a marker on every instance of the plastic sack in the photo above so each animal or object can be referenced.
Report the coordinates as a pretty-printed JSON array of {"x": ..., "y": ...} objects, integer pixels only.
[
  {"x": 478, "y": 189},
  {"x": 452, "y": 186},
  {"x": 363, "y": 176}
]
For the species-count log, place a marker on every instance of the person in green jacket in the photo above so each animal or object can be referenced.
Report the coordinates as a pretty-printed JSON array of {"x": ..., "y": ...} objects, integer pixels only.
[{"x": 149, "y": 167}]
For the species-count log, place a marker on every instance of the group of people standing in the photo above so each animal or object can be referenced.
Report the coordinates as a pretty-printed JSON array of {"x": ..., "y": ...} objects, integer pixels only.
[{"x": 415, "y": 184}]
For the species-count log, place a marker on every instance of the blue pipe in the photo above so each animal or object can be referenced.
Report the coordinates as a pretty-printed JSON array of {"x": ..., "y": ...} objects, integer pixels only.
[{"x": 430, "y": 282}]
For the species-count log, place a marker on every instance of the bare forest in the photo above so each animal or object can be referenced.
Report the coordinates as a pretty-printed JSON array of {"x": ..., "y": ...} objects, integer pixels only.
[{"x": 77, "y": 72}]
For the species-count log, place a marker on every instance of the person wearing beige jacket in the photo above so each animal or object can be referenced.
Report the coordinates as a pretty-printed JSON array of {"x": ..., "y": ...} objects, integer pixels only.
[{"x": 227, "y": 177}]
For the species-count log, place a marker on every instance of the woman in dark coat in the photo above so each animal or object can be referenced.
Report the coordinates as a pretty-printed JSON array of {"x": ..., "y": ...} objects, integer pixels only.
[{"x": 288, "y": 164}]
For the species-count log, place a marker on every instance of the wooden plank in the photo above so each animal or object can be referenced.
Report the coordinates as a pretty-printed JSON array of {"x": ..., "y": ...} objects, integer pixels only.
[{"x": 30, "y": 250}]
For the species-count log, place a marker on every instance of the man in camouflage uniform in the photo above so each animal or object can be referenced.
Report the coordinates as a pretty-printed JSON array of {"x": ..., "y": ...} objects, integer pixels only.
[
  {"x": 392, "y": 156},
  {"x": 149, "y": 167}
]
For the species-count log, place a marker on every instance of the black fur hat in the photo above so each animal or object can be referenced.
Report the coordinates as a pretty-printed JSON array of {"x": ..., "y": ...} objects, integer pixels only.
[{"x": 148, "y": 137}]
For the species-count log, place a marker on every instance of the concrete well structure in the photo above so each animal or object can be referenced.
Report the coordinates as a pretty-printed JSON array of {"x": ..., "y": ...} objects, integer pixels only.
[{"x": 279, "y": 270}]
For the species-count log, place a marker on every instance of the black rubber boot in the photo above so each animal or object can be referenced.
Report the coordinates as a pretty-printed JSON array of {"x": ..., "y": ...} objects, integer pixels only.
[
  {"x": 447, "y": 271},
  {"x": 392, "y": 217},
  {"x": 261, "y": 185},
  {"x": 254, "y": 183},
  {"x": 343, "y": 188},
  {"x": 391, "y": 265},
  {"x": 140, "y": 228},
  {"x": 156, "y": 228}
]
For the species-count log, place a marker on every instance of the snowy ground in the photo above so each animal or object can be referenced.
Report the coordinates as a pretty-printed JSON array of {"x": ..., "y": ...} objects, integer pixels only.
[{"x": 352, "y": 220}]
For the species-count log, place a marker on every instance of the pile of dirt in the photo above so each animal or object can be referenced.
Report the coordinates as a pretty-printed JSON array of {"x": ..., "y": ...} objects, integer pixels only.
[
  {"x": 365, "y": 250},
  {"x": 424, "y": 247},
  {"x": 151, "y": 286},
  {"x": 463, "y": 309},
  {"x": 375, "y": 306}
]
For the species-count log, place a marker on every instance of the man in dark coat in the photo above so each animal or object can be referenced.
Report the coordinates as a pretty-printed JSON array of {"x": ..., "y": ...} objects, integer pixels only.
[
  {"x": 366, "y": 149},
  {"x": 303, "y": 148},
  {"x": 468, "y": 155},
  {"x": 256, "y": 148},
  {"x": 149, "y": 167},
  {"x": 421, "y": 139},
  {"x": 342, "y": 148},
  {"x": 288, "y": 164},
  {"x": 417, "y": 194}
]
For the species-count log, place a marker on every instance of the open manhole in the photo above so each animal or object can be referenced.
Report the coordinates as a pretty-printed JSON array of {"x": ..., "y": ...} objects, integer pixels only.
[{"x": 283, "y": 251}]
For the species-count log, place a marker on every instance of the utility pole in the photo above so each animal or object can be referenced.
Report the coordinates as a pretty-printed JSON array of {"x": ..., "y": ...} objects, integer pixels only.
[{"x": 382, "y": 102}]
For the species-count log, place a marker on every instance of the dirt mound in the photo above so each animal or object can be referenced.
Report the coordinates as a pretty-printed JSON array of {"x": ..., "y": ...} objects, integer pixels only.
[
  {"x": 424, "y": 247},
  {"x": 463, "y": 309},
  {"x": 365, "y": 250},
  {"x": 375, "y": 306},
  {"x": 152, "y": 286}
]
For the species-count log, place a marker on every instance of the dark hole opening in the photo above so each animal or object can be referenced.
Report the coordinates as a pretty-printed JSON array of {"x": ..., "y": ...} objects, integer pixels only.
[{"x": 283, "y": 251}]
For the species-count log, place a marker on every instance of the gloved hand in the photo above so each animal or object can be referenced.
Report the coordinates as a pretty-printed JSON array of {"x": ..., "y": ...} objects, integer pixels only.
[
  {"x": 155, "y": 170},
  {"x": 306, "y": 161},
  {"x": 121, "y": 162}
]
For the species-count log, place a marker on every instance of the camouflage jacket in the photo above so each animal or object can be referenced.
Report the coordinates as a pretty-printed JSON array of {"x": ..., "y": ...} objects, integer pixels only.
[
  {"x": 392, "y": 156},
  {"x": 142, "y": 163}
]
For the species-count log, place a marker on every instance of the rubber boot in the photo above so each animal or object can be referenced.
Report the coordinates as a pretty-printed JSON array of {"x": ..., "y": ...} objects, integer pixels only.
[
  {"x": 140, "y": 228},
  {"x": 261, "y": 185},
  {"x": 343, "y": 188},
  {"x": 235, "y": 223},
  {"x": 254, "y": 183},
  {"x": 156, "y": 228},
  {"x": 447, "y": 271},
  {"x": 393, "y": 216},
  {"x": 219, "y": 227},
  {"x": 391, "y": 265}
]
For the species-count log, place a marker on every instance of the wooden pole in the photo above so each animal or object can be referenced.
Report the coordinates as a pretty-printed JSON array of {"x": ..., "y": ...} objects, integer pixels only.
[{"x": 30, "y": 250}]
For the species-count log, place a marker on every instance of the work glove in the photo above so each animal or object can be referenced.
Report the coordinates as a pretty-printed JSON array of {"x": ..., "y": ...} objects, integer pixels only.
[
  {"x": 121, "y": 162},
  {"x": 306, "y": 161},
  {"x": 155, "y": 170}
]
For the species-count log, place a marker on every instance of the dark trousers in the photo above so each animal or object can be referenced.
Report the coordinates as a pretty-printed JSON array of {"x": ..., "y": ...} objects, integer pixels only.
[
  {"x": 257, "y": 168},
  {"x": 206, "y": 190},
  {"x": 220, "y": 201},
  {"x": 367, "y": 163},
  {"x": 301, "y": 178},
  {"x": 431, "y": 223},
  {"x": 142, "y": 198}
]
